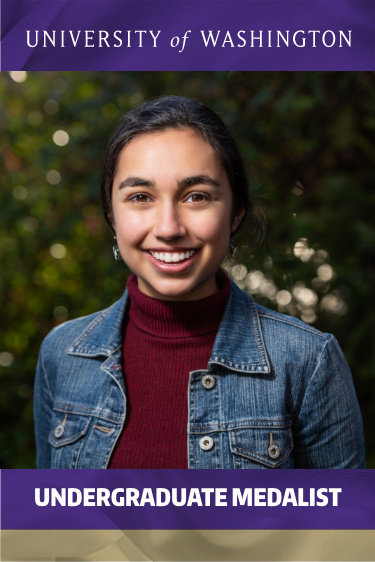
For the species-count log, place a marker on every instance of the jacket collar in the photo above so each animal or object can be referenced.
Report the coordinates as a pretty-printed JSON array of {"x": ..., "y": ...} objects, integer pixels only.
[
  {"x": 239, "y": 341},
  {"x": 103, "y": 336},
  {"x": 238, "y": 345}
]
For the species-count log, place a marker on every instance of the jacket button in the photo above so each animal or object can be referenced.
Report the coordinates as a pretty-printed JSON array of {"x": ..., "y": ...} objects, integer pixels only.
[
  {"x": 208, "y": 382},
  {"x": 206, "y": 443},
  {"x": 273, "y": 452},
  {"x": 59, "y": 430}
]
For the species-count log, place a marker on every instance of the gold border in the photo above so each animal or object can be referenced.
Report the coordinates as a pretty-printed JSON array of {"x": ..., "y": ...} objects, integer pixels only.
[{"x": 116, "y": 545}]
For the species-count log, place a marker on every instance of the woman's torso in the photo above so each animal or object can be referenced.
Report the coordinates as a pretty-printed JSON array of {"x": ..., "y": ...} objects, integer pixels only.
[{"x": 279, "y": 394}]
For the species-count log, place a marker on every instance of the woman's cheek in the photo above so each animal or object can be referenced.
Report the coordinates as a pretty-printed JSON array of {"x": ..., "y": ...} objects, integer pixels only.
[
  {"x": 131, "y": 229},
  {"x": 213, "y": 229}
]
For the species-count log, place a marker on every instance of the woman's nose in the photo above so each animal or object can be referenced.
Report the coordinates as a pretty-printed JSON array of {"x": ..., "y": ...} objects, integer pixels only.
[{"x": 168, "y": 224}]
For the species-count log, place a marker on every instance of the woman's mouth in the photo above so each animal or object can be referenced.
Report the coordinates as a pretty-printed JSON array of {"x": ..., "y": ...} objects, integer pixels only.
[
  {"x": 174, "y": 261},
  {"x": 172, "y": 257}
]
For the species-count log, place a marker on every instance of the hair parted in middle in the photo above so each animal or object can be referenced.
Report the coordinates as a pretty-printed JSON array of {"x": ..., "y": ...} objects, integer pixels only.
[{"x": 175, "y": 112}]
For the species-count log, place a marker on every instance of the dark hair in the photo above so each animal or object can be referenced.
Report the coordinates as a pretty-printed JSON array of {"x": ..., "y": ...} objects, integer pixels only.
[{"x": 173, "y": 112}]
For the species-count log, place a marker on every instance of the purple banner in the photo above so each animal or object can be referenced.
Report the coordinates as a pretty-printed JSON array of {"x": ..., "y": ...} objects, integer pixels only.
[
  {"x": 187, "y": 499},
  {"x": 187, "y": 35}
]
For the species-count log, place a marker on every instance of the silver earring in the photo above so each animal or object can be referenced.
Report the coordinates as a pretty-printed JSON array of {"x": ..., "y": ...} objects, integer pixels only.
[
  {"x": 116, "y": 251},
  {"x": 232, "y": 248}
]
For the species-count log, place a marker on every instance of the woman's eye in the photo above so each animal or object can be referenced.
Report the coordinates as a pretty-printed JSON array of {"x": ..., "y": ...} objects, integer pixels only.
[
  {"x": 140, "y": 198},
  {"x": 196, "y": 198}
]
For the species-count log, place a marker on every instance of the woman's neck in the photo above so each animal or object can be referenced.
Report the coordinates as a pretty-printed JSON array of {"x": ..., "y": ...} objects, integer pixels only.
[
  {"x": 205, "y": 289},
  {"x": 176, "y": 319}
]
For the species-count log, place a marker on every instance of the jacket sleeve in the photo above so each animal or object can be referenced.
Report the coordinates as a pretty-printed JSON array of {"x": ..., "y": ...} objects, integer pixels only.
[
  {"x": 329, "y": 430},
  {"x": 43, "y": 404}
]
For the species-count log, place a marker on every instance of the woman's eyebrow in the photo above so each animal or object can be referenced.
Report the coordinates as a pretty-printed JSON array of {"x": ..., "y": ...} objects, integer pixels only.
[
  {"x": 186, "y": 182},
  {"x": 196, "y": 180},
  {"x": 136, "y": 182}
]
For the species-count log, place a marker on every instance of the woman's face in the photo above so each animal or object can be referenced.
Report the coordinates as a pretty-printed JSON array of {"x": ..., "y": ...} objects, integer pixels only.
[{"x": 172, "y": 206}]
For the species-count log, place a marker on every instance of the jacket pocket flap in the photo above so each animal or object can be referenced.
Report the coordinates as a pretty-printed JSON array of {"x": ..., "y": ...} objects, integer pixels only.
[
  {"x": 268, "y": 446},
  {"x": 67, "y": 428}
]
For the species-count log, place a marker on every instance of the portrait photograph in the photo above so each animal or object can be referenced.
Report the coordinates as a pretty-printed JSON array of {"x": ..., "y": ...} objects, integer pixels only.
[{"x": 187, "y": 266}]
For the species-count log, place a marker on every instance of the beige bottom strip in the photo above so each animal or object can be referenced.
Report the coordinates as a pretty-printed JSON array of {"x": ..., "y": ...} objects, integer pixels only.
[{"x": 187, "y": 545}]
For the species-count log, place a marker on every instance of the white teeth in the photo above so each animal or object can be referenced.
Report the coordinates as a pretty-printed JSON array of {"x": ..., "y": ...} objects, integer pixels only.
[{"x": 175, "y": 257}]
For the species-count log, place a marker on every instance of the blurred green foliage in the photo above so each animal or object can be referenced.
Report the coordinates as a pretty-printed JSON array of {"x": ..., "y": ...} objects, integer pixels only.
[{"x": 308, "y": 140}]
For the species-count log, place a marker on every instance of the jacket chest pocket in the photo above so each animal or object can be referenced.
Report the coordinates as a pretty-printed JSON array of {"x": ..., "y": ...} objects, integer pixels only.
[
  {"x": 66, "y": 438},
  {"x": 259, "y": 447}
]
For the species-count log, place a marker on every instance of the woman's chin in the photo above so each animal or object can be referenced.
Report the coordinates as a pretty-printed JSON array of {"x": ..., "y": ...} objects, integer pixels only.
[
  {"x": 163, "y": 291},
  {"x": 177, "y": 290}
]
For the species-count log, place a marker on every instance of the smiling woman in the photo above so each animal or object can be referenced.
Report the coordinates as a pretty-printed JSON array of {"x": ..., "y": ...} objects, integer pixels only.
[
  {"x": 185, "y": 370},
  {"x": 171, "y": 211}
]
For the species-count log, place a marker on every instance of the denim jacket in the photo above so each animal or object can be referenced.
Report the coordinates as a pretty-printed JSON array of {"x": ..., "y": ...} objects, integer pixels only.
[{"x": 279, "y": 394}]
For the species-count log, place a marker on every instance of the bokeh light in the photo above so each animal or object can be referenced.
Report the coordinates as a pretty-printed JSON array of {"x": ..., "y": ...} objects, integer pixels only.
[
  {"x": 35, "y": 118},
  {"x": 6, "y": 359},
  {"x": 238, "y": 272},
  {"x": 283, "y": 297},
  {"x": 18, "y": 75},
  {"x": 60, "y": 313},
  {"x": 20, "y": 192},
  {"x": 61, "y": 138},
  {"x": 30, "y": 224},
  {"x": 325, "y": 272},
  {"x": 51, "y": 107},
  {"x": 53, "y": 177},
  {"x": 58, "y": 251}
]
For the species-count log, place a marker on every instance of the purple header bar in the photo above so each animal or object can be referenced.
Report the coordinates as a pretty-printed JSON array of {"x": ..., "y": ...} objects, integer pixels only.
[
  {"x": 285, "y": 499},
  {"x": 175, "y": 35}
]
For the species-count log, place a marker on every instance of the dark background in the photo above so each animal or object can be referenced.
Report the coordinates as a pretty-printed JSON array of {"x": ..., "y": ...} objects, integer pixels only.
[{"x": 308, "y": 140}]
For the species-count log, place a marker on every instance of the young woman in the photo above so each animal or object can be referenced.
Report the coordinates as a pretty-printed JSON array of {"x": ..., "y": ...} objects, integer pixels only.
[{"x": 186, "y": 370}]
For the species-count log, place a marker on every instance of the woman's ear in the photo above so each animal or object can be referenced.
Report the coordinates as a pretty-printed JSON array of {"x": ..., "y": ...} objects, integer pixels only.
[
  {"x": 111, "y": 221},
  {"x": 237, "y": 220}
]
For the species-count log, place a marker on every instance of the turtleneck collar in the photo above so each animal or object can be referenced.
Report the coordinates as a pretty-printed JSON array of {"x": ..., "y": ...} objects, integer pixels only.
[{"x": 178, "y": 319}]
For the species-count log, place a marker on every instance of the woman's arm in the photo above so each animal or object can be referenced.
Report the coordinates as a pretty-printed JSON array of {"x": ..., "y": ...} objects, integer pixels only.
[
  {"x": 43, "y": 403},
  {"x": 329, "y": 431}
]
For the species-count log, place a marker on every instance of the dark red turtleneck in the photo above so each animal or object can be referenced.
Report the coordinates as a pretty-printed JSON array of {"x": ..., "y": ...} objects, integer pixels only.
[{"x": 163, "y": 342}]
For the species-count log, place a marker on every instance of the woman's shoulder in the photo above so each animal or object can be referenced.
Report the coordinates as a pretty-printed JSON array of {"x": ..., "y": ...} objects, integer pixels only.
[
  {"x": 65, "y": 336},
  {"x": 275, "y": 326},
  {"x": 298, "y": 346},
  {"x": 294, "y": 339},
  {"x": 70, "y": 327},
  {"x": 285, "y": 324}
]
